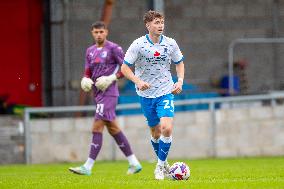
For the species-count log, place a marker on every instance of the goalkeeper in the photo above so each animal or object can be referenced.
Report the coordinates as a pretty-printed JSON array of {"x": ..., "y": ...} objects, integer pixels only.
[{"x": 102, "y": 69}]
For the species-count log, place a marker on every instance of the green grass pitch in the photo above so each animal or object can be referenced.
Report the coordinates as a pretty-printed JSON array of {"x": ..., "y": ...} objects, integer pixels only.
[{"x": 208, "y": 173}]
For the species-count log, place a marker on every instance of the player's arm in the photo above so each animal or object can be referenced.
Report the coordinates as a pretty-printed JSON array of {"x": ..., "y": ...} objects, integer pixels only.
[
  {"x": 86, "y": 81},
  {"x": 119, "y": 55},
  {"x": 129, "y": 59},
  {"x": 180, "y": 74},
  {"x": 103, "y": 82},
  {"x": 128, "y": 73},
  {"x": 177, "y": 58}
]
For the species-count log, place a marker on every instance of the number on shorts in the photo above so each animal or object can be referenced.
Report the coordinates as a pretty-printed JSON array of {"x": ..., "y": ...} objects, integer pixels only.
[
  {"x": 169, "y": 104},
  {"x": 100, "y": 109}
]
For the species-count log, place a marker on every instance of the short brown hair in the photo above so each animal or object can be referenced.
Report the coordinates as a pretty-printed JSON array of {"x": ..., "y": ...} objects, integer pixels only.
[
  {"x": 151, "y": 15},
  {"x": 98, "y": 25}
]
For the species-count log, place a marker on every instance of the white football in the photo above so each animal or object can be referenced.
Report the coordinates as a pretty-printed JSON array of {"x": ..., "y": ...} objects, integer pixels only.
[{"x": 179, "y": 171}]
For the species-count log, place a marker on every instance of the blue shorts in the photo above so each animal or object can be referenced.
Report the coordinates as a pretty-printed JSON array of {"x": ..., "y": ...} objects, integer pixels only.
[{"x": 155, "y": 108}]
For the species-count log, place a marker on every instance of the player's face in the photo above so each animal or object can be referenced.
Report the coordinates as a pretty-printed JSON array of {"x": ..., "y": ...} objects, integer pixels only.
[
  {"x": 156, "y": 26},
  {"x": 99, "y": 34}
]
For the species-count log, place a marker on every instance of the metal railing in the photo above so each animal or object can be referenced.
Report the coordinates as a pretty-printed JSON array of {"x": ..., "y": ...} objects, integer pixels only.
[
  {"x": 245, "y": 41},
  {"x": 210, "y": 101}
]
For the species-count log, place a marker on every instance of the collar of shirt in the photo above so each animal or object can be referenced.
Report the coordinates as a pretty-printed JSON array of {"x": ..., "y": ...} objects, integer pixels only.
[{"x": 150, "y": 41}]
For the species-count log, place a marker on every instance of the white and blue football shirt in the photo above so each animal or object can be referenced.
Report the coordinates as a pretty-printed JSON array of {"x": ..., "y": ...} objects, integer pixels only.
[{"x": 152, "y": 64}]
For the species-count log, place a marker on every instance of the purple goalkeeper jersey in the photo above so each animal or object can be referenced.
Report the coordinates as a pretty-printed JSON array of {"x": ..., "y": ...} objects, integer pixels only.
[{"x": 103, "y": 62}]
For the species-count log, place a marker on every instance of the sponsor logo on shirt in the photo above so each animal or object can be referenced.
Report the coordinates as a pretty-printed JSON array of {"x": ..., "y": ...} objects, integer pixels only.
[
  {"x": 97, "y": 60},
  {"x": 158, "y": 57},
  {"x": 157, "y": 53}
]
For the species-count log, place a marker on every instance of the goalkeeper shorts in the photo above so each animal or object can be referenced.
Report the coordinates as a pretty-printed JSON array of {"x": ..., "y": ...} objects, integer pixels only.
[{"x": 105, "y": 109}]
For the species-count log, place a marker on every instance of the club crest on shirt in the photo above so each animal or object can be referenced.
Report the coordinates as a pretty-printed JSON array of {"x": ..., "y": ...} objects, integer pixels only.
[
  {"x": 104, "y": 54},
  {"x": 165, "y": 50}
]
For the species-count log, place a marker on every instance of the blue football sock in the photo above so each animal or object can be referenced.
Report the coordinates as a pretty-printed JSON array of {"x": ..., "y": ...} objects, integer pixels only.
[
  {"x": 164, "y": 147},
  {"x": 155, "y": 144}
]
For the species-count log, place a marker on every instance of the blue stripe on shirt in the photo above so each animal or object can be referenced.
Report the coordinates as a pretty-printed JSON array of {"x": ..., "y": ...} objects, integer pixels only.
[
  {"x": 179, "y": 61},
  {"x": 127, "y": 63}
]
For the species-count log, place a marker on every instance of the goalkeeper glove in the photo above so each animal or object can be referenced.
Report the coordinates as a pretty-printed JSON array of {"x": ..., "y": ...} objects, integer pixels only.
[
  {"x": 86, "y": 84},
  {"x": 103, "y": 82}
]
